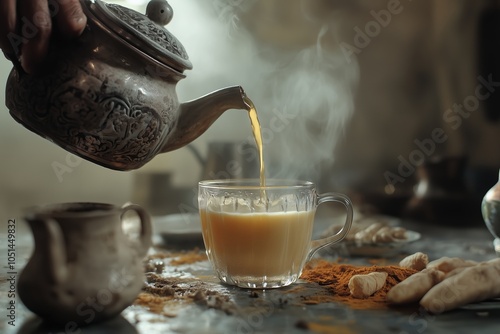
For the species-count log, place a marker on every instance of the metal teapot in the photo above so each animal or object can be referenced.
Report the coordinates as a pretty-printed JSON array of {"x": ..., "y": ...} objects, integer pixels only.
[{"x": 109, "y": 96}]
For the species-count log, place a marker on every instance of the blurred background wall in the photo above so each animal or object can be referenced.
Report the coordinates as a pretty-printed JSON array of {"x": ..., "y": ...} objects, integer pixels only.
[{"x": 346, "y": 90}]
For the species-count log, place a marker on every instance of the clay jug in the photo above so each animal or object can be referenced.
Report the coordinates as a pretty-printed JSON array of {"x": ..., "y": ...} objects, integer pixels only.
[{"x": 84, "y": 268}]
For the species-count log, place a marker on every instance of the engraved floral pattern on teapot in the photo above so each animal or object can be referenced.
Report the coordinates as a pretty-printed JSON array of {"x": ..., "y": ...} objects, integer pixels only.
[
  {"x": 93, "y": 118},
  {"x": 148, "y": 28}
]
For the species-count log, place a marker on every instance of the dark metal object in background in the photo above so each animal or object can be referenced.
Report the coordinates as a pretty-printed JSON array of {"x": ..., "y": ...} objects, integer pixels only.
[{"x": 441, "y": 194}]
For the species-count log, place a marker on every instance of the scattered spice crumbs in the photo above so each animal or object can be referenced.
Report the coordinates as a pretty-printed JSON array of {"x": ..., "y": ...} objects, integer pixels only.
[{"x": 335, "y": 277}]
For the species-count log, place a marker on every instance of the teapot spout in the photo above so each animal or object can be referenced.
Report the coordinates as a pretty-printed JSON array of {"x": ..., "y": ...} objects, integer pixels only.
[{"x": 196, "y": 116}]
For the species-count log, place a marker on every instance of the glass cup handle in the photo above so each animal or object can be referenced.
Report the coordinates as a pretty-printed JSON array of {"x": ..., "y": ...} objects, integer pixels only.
[{"x": 323, "y": 242}]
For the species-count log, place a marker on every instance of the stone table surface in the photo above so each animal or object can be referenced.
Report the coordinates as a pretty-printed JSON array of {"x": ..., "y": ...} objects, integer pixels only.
[{"x": 276, "y": 310}]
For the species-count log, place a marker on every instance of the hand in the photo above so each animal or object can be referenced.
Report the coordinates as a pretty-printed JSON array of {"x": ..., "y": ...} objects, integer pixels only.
[{"x": 26, "y": 27}]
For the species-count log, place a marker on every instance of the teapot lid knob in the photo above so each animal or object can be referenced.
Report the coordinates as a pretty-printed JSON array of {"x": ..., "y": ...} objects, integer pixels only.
[{"x": 159, "y": 11}]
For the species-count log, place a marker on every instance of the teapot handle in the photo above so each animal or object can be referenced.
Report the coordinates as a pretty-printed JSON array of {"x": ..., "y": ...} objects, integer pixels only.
[
  {"x": 56, "y": 250},
  {"x": 146, "y": 230}
]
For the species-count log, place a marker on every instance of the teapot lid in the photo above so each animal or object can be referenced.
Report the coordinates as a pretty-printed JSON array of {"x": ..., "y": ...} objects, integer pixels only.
[{"x": 146, "y": 33}]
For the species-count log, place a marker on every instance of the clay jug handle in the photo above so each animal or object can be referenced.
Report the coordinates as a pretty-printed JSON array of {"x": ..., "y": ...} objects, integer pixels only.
[
  {"x": 145, "y": 237},
  {"x": 56, "y": 251}
]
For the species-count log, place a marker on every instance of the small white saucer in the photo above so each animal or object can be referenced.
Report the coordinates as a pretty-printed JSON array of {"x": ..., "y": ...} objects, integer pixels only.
[
  {"x": 178, "y": 227},
  {"x": 383, "y": 248}
]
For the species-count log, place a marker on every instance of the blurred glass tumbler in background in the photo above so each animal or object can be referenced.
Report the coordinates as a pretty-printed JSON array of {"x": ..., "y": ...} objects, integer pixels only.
[{"x": 490, "y": 208}]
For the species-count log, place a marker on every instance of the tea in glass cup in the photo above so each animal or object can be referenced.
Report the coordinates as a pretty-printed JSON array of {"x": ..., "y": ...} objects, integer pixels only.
[{"x": 261, "y": 237}]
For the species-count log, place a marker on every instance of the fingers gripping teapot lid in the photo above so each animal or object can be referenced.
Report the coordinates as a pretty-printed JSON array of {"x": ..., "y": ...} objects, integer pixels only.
[{"x": 145, "y": 33}]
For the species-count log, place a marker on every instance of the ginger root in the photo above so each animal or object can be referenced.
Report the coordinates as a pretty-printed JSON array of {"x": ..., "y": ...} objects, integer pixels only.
[
  {"x": 417, "y": 261},
  {"x": 363, "y": 286},
  {"x": 380, "y": 233},
  {"x": 447, "y": 264},
  {"x": 367, "y": 231},
  {"x": 399, "y": 233},
  {"x": 414, "y": 287},
  {"x": 367, "y": 234},
  {"x": 472, "y": 284},
  {"x": 389, "y": 234},
  {"x": 383, "y": 235}
]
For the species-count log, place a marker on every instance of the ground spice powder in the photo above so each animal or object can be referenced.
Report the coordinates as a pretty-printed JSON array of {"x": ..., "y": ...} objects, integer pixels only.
[
  {"x": 189, "y": 258},
  {"x": 335, "y": 277}
]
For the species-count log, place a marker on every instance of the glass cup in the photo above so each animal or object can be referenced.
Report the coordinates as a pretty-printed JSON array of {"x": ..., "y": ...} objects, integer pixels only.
[{"x": 261, "y": 237}]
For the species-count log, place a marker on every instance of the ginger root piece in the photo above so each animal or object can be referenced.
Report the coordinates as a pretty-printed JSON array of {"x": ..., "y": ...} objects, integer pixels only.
[
  {"x": 454, "y": 272},
  {"x": 363, "y": 286},
  {"x": 399, "y": 233},
  {"x": 367, "y": 234},
  {"x": 417, "y": 261},
  {"x": 383, "y": 235},
  {"x": 389, "y": 234},
  {"x": 447, "y": 264},
  {"x": 473, "y": 284},
  {"x": 414, "y": 287},
  {"x": 492, "y": 261}
]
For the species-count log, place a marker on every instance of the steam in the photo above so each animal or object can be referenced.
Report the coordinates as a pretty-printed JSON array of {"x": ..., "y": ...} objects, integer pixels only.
[
  {"x": 316, "y": 87},
  {"x": 303, "y": 87}
]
